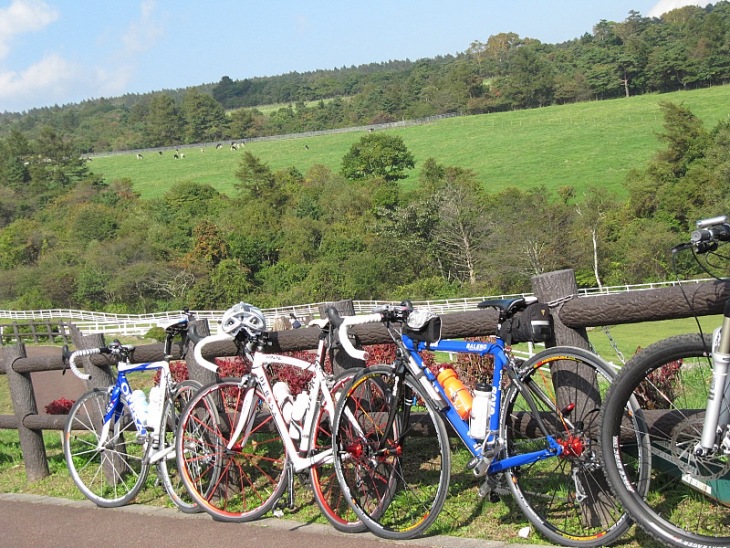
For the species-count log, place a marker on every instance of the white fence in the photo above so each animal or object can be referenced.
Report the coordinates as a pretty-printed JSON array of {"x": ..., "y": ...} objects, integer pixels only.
[{"x": 139, "y": 324}]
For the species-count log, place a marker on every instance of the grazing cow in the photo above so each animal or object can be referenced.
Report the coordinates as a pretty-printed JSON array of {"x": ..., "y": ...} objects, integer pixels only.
[
  {"x": 139, "y": 156},
  {"x": 218, "y": 146},
  {"x": 175, "y": 156}
]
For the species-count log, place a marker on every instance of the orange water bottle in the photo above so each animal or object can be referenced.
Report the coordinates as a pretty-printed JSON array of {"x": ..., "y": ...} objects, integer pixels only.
[{"x": 458, "y": 394}]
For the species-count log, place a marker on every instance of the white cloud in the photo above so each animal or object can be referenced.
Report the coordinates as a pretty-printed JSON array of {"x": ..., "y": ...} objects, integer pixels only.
[
  {"x": 663, "y": 6},
  {"x": 50, "y": 77},
  {"x": 23, "y": 16},
  {"x": 143, "y": 33}
]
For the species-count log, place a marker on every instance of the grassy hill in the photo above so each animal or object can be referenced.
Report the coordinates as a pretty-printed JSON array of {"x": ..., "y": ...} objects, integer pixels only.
[{"x": 593, "y": 143}]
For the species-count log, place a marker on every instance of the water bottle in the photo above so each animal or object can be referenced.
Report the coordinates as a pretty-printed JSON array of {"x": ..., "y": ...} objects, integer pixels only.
[
  {"x": 457, "y": 393},
  {"x": 140, "y": 405},
  {"x": 480, "y": 410},
  {"x": 299, "y": 409},
  {"x": 282, "y": 395},
  {"x": 154, "y": 411}
]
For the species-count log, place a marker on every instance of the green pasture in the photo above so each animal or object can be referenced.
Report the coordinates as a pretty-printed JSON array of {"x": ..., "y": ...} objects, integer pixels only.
[{"x": 582, "y": 144}]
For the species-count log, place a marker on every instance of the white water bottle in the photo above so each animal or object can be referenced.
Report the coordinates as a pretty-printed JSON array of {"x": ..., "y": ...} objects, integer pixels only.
[
  {"x": 282, "y": 395},
  {"x": 140, "y": 405},
  {"x": 299, "y": 409},
  {"x": 154, "y": 411},
  {"x": 480, "y": 411}
]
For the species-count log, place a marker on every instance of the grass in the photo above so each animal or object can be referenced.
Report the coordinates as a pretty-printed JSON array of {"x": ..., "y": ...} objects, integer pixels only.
[{"x": 582, "y": 144}]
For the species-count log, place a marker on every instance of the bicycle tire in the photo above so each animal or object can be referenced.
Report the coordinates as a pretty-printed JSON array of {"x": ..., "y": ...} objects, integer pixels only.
[
  {"x": 327, "y": 492},
  {"x": 397, "y": 490},
  {"x": 167, "y": 468},
  {"x": 565, "y": 497},
  {"x": 671, "y": 380},
  {"x": 113, "y": 475},
  {"x": 237, "y": 483}
]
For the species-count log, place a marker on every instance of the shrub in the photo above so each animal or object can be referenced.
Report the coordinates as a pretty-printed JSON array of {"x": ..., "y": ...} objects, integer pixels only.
[{"x": 60, "y": 406}]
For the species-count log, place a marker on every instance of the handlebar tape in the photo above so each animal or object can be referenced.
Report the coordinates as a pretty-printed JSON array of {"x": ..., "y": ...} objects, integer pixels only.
[
  {"x": 347, "y": 321},
  {"x": 198, "y": 350},
  {"x": 80, "y": 354}
]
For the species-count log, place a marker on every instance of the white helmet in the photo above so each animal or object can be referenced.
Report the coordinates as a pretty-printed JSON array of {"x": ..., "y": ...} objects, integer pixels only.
[{"x": 242, "y": 316}]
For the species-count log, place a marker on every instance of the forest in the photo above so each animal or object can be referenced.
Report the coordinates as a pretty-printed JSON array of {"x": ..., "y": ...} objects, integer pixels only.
[
  {"x": 70, "y": 239},
  {"x": 685, "y": 49}
]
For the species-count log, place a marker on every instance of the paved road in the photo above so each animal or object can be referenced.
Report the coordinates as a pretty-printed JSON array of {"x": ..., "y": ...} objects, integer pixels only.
[{"x": 45, "y": 522}]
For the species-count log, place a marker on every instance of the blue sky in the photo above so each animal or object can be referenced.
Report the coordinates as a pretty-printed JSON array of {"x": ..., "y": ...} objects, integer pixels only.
[{"x": 55, "y": 52}]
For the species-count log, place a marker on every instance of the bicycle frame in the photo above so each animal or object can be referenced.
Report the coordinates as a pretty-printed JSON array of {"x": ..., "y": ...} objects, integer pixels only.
[
  {"x": 717, "y": 417},
  {"x": 480, "y": 448},
  {"x": 122, "y": 388},
  {"x": 318, "y": 387}
]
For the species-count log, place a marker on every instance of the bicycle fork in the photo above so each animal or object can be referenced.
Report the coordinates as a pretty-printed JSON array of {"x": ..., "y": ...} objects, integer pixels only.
[{"x": 717, "y": 413}]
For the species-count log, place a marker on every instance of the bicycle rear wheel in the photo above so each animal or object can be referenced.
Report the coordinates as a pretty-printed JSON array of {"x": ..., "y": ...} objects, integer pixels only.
[
  {"x": 395, "y": 474},
  {"x": 109, "y": 474},
  {"x": 327, "y": 492},
  {"x": 686, "y": 501},
  {"x": 232, "y": 479},
  {"x": 167, "y": 467},
  {"x": 565, "y": 497}
]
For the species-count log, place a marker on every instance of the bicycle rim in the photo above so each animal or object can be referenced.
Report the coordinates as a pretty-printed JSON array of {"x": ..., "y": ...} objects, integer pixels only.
[
  {"x": 233, "y": 480},
  {"x": 565, "y": 497},
  {"x": 686, "y": 501},
  {"x": 111, "y": 475},
  {"x": 395, "y": 478},
  {"x": 327, "y": 492},
  {"x": 167, "y": 467}
]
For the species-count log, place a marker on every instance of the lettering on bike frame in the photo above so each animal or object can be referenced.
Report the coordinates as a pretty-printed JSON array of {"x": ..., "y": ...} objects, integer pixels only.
[
  {"x": 261, "y": 360},
  {"x": 114, "y": 407}
]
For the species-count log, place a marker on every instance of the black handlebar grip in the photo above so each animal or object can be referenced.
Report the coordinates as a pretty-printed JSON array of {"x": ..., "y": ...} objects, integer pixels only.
[{"x": 334, "y": 316}]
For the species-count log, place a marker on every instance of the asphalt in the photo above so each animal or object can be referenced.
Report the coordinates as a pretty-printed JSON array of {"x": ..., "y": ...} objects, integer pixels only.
[{"x": 39, "y": 521}]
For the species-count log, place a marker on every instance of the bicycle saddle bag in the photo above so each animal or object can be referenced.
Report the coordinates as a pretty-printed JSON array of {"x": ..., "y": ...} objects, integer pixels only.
[
  {"x": 533, "y": 324},
  {"x": 423, "y": 325}
]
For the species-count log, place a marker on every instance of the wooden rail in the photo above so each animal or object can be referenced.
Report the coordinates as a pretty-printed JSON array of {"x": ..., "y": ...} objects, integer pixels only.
[{"x": 571, "y": 315}]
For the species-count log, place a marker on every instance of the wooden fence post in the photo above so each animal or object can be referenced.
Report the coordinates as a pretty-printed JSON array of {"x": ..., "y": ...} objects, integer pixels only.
[
  {"x": 197, "y": 372},
  {"x": 548, "y": 288},
  {"x": 21, "y": 392}
]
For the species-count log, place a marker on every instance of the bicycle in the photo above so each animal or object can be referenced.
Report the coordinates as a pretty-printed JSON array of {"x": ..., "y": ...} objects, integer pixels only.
[
  {"x": 241, "y": 440},
  {"x": 678, "y": 493},
  {"x": 539, "y": 433},
  {"x": 109, "y": 444}
]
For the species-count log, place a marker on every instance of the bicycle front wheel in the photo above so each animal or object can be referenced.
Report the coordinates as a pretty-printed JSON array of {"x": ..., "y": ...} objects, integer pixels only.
[
  {"x": 566, "y": 497},
  {"x": 327, "y": 492},
  {"x": 167, "y": 466},
  {"x": 107, "y": 465},
  {"x": 230, "y": 455},
  {"x": 686, "y": 501},
  {"x": 392, "y": 456}
]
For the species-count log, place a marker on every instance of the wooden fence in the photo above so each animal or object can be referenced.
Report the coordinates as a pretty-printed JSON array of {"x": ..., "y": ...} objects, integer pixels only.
[
  {"x": 34, "y": 331},
  {"x": 571, "y": 313}
]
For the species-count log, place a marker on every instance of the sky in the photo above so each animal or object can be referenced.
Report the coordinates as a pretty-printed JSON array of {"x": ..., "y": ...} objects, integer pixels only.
[{"x": 57, "y": 52}]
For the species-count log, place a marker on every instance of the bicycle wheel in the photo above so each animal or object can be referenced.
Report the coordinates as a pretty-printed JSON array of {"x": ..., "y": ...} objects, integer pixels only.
[
  {"x": 686, "y": 501},
  {"x": 395, "y": 474},
  {"x": 327, "y": 492},
  {"x": 167, "y": 467},
  {"x": 111, "y": 473},
  {"x": 232, "y": 479},
  {"x": 565, "y": 497}
]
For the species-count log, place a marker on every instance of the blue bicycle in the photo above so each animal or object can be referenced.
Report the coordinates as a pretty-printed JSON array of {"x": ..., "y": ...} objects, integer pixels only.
[
  {"x": 110, "y": 439},
  {"x": 537, "y": 434}
]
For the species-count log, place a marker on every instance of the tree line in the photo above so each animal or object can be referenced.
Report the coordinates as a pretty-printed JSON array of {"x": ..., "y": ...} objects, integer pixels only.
[
  {"x": 69, "y": 239},
  {"x": 684, "y": 49}
]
